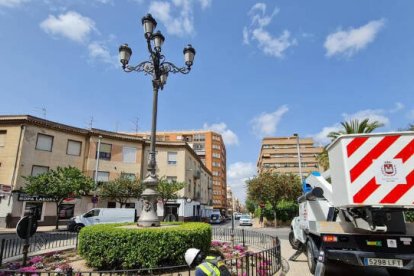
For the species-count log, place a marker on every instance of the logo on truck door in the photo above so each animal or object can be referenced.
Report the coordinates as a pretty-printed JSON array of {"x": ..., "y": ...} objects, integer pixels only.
[{"x": 389, "y": 169}]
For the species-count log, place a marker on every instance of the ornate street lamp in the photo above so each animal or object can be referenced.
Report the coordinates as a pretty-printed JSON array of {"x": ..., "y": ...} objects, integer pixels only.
[{"x": 159, "y": 69}]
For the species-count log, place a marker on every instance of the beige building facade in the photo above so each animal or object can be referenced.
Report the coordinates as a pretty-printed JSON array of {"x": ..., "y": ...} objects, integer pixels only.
[
  {"x": 279, "y": 154},
  {"x": 210, "y": 148},
  {"x": 30, "y": 146}
]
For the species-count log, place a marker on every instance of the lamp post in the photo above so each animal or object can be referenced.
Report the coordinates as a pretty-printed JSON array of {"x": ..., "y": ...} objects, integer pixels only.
[
  {"x": 159, "y": 69},
  {"x": 299, "y": 159}
]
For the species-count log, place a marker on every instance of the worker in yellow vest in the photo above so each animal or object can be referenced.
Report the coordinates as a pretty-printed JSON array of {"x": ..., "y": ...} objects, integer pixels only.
[{"x": 210, "y": 266}]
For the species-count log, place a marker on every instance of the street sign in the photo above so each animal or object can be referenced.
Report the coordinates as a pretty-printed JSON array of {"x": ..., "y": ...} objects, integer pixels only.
[{"x": 22, "y": 227}]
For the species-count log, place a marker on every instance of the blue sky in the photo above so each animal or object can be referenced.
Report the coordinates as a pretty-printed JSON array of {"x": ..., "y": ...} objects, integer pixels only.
[{"x": 262, "y": 68}]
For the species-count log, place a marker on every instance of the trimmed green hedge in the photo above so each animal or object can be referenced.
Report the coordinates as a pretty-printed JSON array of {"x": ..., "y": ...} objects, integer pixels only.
[{"x": 107, "y": 246}]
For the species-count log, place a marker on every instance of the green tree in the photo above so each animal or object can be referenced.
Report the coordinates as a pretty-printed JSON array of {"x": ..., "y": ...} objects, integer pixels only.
[
  {"x": 350, "y": 127},
  {"x": 323, "y": 159},
  {"x": 58, "y": 184},
  {"x": 272, "y": 188},
  {"x": 121, "y": 189},
  {"x": 356, "y": 126},
  {"x": 167, "y": 190},
  {"x": 411, "y": 127},
  {"x": 251, "y": 206}
]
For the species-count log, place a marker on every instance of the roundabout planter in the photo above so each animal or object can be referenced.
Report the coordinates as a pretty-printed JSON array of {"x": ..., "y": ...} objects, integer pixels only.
[{"x": 109, "y": 246}]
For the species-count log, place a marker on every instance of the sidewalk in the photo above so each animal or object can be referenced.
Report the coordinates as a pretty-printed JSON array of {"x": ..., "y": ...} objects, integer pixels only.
[{"x": 39, "y": 229}]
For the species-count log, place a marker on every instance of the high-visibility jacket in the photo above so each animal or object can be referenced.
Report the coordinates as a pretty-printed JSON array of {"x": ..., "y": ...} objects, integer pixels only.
[{"x": 210, "y": 267}]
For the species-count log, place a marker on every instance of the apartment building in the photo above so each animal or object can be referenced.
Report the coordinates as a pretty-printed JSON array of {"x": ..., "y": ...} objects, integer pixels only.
[
  {"x": 30, "y": 146},
  {"x": 210, "y": 148},
  {"x": 279, "y": 154},
  {"x": 177, "y": 161}
]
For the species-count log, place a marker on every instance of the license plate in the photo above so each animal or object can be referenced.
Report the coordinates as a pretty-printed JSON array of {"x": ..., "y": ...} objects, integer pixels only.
[{"x": 383, "y": 262}]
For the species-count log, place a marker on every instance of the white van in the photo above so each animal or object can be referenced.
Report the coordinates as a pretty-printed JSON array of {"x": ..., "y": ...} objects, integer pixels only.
[{"x": 102, "y": 215}]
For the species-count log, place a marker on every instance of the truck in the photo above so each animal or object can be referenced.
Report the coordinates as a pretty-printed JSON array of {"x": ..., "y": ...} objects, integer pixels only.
[
  {"x": 354, "y": 213},
  {"x": 101, "y": 215}
]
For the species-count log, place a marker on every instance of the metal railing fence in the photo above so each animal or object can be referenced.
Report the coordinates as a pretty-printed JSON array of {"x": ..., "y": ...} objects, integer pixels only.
[
  {"x": 263, "y": 263},
  {"x": 40, "y": 241}
]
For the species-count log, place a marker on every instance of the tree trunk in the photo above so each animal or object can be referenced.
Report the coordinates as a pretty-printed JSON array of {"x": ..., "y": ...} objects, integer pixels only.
[
  {"x": 57, "y": 215},
  {"x": 163, "y": 210}
]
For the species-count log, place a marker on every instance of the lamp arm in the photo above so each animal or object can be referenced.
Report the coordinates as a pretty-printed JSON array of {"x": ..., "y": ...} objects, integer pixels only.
[
  {"x": 170, "y": 67},
  {"x": 146, "y": 66}
]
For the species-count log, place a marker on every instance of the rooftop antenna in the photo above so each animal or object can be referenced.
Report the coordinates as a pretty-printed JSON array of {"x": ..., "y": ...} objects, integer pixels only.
[
  {"x": 91, "y": 121},
  {"x": 43, "y": 110},
  {"x": 116, "y": 126},
  {"x": 136, "y": 125}
]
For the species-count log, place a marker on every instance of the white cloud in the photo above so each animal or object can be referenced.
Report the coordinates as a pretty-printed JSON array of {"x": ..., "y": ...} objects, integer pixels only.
[
  {"x": 229, "y": 137},
  {"x": 266, "y": 123},
  {"x": 321, "y": 138},
  {"x": 205, "y": 3},
  {"x": 99, "y": 52},
  {"x": 349, "y": 42},
  {"x": 176, "y": 15},
  {"x": 237, "y": 174},
  {"x": 71, "y": 25},
  {"x": 371, "y": 114},
  {"x": 398, "y": 107},
  {"x": 270, "y": 45},
  {"x": 12, "y": 3}
]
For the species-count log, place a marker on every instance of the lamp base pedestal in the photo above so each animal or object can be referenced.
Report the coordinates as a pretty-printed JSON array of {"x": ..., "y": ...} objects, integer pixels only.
[{"x": 149, "y": 217}]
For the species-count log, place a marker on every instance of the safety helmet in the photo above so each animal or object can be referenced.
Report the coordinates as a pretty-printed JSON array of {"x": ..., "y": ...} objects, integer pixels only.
[{"x": 191, "y": 255}]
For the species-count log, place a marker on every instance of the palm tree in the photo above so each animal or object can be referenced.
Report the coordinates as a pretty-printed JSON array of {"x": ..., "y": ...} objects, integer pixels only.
[
  {"x": 351, "y": 127},
  {"x": 355, "y": 126}
]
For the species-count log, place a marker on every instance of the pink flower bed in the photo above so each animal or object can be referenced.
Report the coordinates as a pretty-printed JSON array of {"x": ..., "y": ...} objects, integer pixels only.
[{"x": 233, "y": 253}]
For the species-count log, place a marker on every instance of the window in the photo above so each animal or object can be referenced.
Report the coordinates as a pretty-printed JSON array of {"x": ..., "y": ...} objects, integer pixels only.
[
  {"x": 216, "y": 155},
  {"x": 129, "y": 154},
  {"x": 2, "y": 137},
  {"x": 130, "y": 205},
  {"x": 171, "y": 179},
  {"x": 92, "y": 213},
  {"x": 102, "y": 176},
  {"x": 104, "y": 151},
  {"x": 66, "y": 211},
  {"x": 36, "y": 170},
  {"x": 111, "y": 205},
  {"x": 74, "y": 148},
  {"x": 36, "y": 207},
  {"x": 198, "y": 147},
  {"x": 215, "y": 173},
  {"x": 216, "y": 147},
  {"x": 199, "y": 137},
  {"x": 44, "y": 142},
  {"x": 216, "y": 164},
  {"x": 172, "y": 158},
  {"x": 130, "y": 176}
]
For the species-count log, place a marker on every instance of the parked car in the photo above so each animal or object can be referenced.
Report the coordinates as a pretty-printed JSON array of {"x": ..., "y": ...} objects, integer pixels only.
[
  {"x": 237, "y": 216},
  {"x": 101, "y": 215},
  {"x": 216, "y": 218},
  {"x": 245, "y": 220}
]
